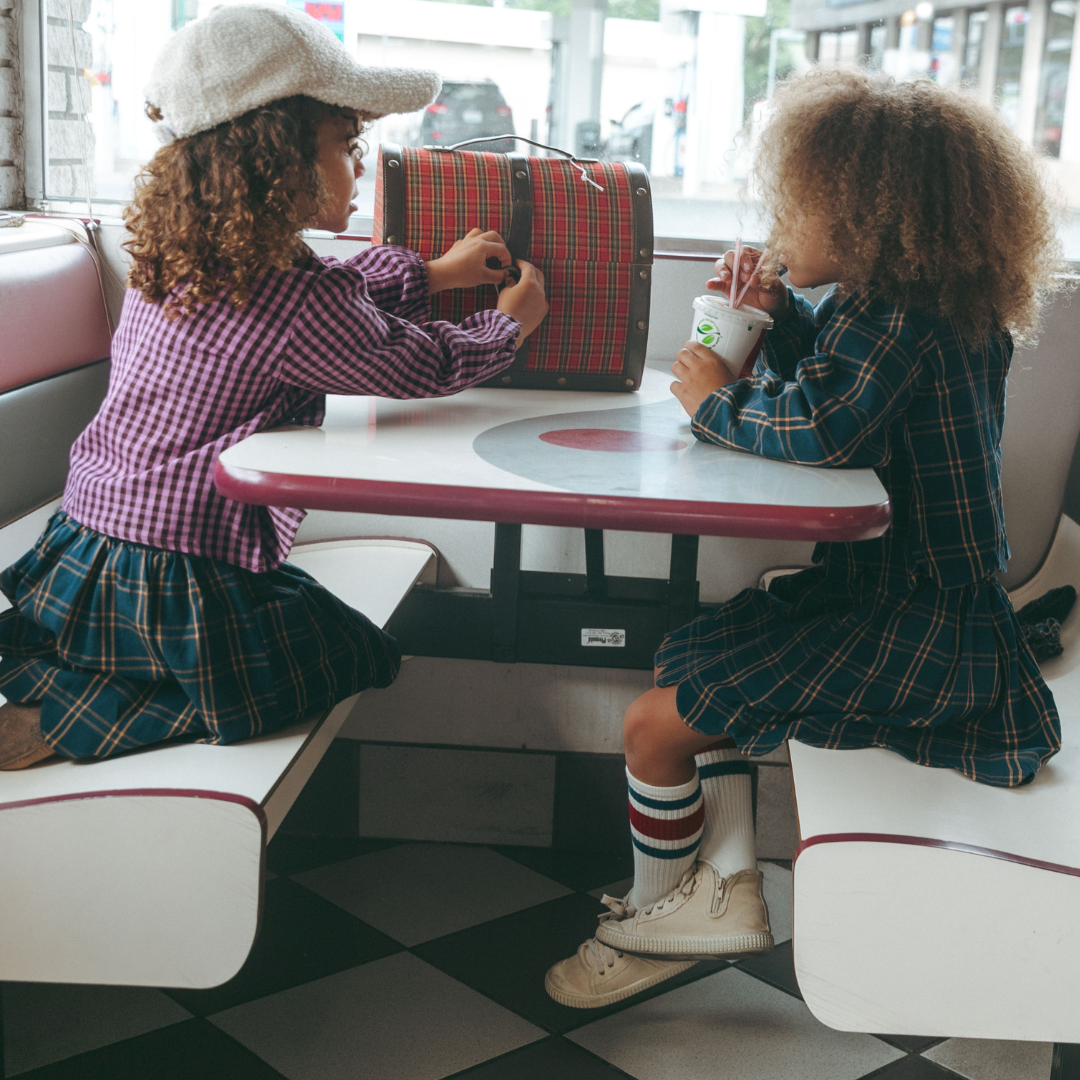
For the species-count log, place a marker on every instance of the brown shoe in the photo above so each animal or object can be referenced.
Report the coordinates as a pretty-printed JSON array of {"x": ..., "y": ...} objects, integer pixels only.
[
  {"x": 706, "y": 916},
  {"x": 21, "y": 743}
]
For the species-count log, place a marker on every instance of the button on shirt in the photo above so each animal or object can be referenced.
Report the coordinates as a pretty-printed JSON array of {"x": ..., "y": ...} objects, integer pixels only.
[
  {"x": 860, "y": 382},
  {"x": 182, "y": 390}
]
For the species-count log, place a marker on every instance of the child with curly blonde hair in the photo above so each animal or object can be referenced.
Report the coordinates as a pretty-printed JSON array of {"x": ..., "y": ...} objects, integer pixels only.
[
  {"x": 929, "y": 216},
  {"x": 153, "y": 607}
]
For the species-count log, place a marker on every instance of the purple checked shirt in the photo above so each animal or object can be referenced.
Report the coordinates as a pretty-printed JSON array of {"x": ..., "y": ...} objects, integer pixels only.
[{"x": 183, "y": 390}]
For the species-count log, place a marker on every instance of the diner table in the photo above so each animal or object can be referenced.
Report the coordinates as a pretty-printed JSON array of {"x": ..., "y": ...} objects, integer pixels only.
[{"x": 594, "y": 461}]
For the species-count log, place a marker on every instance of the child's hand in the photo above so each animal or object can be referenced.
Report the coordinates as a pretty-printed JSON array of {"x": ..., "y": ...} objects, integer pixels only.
[
  {"x": 765, "y": 292},
  {"x": 466, "y": 263},
  {"x": 525, "y": 300},
  {"x": 699, "y": 371}
]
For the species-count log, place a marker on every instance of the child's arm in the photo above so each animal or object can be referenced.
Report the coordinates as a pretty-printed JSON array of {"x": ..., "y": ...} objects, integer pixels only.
[
  {"x": 836, "y": 410},
  {"x": 342, "y": 342}
]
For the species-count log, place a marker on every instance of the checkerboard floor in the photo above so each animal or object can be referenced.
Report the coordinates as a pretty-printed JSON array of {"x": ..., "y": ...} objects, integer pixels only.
[{"x": 414, "y": 961}]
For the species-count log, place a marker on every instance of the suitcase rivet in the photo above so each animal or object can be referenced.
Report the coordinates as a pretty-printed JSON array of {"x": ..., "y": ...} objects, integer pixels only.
[
  {"x": 562, "y": 382},
  {"x": 391, "y": 240},
  {"x": 520, "y": 174},
  {"x": 629, "y": 382},
  {"x": 506, "y": 379},
  {"x": 641, "y": 324},
  {"x": 643, "y": 274},
  {"x": 644, "y": 253},
  {"x": 642, "y": 191},
  {"x": 392, "y": 164}
]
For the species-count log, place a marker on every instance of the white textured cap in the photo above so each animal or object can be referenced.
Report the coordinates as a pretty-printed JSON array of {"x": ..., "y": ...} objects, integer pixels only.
[{"x": 241, "y": 57}]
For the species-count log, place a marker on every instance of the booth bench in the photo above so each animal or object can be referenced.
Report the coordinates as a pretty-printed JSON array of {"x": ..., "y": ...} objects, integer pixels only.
[
  {"x": 144, "y": 869},
  {"x": 928, "y": 904}
]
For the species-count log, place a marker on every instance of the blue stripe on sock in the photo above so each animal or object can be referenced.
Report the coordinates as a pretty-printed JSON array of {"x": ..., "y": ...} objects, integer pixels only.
[
  {"x": 666, "y": 853},
  {"x": 723, "y": 768},
  {"x": 665, "y": 804}
]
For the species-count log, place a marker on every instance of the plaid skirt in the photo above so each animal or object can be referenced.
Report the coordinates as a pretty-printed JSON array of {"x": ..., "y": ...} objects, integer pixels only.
[
  {"x": 941, "y": 676},
  {"x": 126, "y": 645}
]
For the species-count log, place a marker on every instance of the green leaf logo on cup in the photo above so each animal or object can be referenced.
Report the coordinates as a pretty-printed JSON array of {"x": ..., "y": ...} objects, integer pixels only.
[{"x": 708, "y": 339}]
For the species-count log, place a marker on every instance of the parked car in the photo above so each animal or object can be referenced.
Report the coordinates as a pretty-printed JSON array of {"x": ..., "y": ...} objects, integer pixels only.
[
  {"x": 466, "y": 110},
  {"x": 631, "y": 137}
]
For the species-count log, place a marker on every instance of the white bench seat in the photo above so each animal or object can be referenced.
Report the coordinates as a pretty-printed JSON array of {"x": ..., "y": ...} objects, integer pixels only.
[
  {"x": 146, "y": 869},
  {"x": 928, "y": 904}
]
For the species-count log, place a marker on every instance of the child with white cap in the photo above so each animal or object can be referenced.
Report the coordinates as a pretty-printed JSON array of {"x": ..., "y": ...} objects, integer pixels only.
[{"x": 152, "y": 607}]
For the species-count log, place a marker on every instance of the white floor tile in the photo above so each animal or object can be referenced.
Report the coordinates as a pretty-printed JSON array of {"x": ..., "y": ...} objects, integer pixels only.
[
  {"x": 416, "y": 892},
  {"x": 730, "y": 1027},
  {"x": 994, "y": 1059},
  {"x": 778, "y": 897},
  {"x": 457, "y": 796},
  {"x": 45, "y": 1022},
  {"x": 393, "y": 1019}
]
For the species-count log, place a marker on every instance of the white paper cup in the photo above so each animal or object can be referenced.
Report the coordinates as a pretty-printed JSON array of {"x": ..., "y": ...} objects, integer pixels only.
[{"x": 734, "y": 334}]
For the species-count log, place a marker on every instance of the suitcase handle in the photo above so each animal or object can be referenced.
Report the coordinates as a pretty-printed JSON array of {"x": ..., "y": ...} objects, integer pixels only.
[{"x": 575, "y": 161}]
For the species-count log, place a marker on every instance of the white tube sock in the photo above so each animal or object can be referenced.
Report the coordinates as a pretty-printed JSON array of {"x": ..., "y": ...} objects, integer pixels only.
[
  {"x": 665, "y": 824},
  {"x": 728, "y": 839}
]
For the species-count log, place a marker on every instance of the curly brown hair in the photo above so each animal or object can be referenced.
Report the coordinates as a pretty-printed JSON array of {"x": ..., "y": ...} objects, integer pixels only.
[
  {"x": 920, "y": 193},
  {"x": 214, "y": 211}
]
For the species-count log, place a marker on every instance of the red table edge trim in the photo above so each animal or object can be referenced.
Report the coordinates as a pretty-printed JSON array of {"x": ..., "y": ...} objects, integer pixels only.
[
  {"x": 569, "y": 509},
  {"x": 113, "y": 793},
  {"x": 925, "y": 841}
]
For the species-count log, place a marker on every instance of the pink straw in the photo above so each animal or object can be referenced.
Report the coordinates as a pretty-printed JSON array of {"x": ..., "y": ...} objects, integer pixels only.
[
  {"x": 757, "y": 267},
  {"x": 735, "y": 272}
]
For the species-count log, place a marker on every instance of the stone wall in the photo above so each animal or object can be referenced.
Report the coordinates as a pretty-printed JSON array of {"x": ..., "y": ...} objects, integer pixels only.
[
  {"x": 12, "y": 188},
  {"x": 70, "y": 135}
]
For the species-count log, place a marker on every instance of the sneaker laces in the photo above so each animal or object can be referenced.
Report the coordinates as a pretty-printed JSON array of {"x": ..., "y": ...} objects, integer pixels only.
[
  {"x": 600, "y": 955},
  {"x": 686, "y": 886},
  {"x": 619, "y": 909}
]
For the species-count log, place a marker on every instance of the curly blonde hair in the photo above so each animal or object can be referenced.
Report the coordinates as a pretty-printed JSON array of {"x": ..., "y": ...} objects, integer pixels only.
[
  {"x": 920, "y": 193},
  {"x": 215, "y": 211}
]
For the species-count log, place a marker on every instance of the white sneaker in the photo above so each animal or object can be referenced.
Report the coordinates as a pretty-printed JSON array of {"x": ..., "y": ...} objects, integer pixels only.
[
  {"x": 706, "y": 917},
  {"x": 596, "y": 975}
]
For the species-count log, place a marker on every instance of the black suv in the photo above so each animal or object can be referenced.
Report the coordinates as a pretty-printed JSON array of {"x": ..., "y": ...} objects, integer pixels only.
[{"x": 467, "y": 110}]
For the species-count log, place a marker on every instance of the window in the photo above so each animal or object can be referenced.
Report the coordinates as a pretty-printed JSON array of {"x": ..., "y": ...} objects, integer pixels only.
[
  {"x": 680, "y": 87},
  {"x": 1054, "y": 76},
  {"x": 969, "y": 74}
]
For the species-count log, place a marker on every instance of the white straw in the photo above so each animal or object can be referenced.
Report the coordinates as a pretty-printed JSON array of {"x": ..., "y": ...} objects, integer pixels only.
[
  {"x": 757, "y": 267},
  {"x": 735, "y": 272}
]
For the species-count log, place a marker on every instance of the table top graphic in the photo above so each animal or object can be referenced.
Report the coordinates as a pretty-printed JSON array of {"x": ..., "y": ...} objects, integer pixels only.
[{"x": 592, "y": 460}]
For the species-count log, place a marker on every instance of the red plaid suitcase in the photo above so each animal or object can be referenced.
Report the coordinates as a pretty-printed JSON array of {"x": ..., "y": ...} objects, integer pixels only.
[{"x": 594, "y": 248}]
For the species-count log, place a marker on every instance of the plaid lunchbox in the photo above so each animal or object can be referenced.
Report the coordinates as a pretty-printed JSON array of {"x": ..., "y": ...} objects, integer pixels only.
[{"x": 594, "y": 248}]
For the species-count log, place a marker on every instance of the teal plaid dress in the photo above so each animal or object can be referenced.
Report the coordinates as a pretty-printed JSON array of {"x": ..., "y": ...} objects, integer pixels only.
[
  {"x": 908, "y": 641},
  {"x": 126, "y": 645}
]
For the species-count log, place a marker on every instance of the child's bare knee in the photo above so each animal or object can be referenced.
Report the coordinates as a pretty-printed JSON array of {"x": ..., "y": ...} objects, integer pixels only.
[{"x": 638, "y": 724}]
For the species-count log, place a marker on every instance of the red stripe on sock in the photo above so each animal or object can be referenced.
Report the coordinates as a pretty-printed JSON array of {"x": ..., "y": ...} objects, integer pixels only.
[{"x": 667, "y": 828}]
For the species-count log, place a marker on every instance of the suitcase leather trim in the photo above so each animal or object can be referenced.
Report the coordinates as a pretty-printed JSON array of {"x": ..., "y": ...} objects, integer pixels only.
[{"x": 390, "y": 223}]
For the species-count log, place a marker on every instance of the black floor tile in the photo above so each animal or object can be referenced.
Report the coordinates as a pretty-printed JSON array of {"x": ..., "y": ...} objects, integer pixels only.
[
  {"x": 590, "y": 802},
  {"x": 290, "y": 854},
  {"x": 191, "y": 1050},
  {"x": 329, "y": 804},
  {"x": 911, "y": 1044},
  {"x": 506, "y": 960},
  {"x": 580, "y": 870},
  {"x": 913, "y": 1067},
  {"x": 303, "y": 937},
  {"x": 549, "y": 1059},
  {"x": 776, "y": 968}
]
